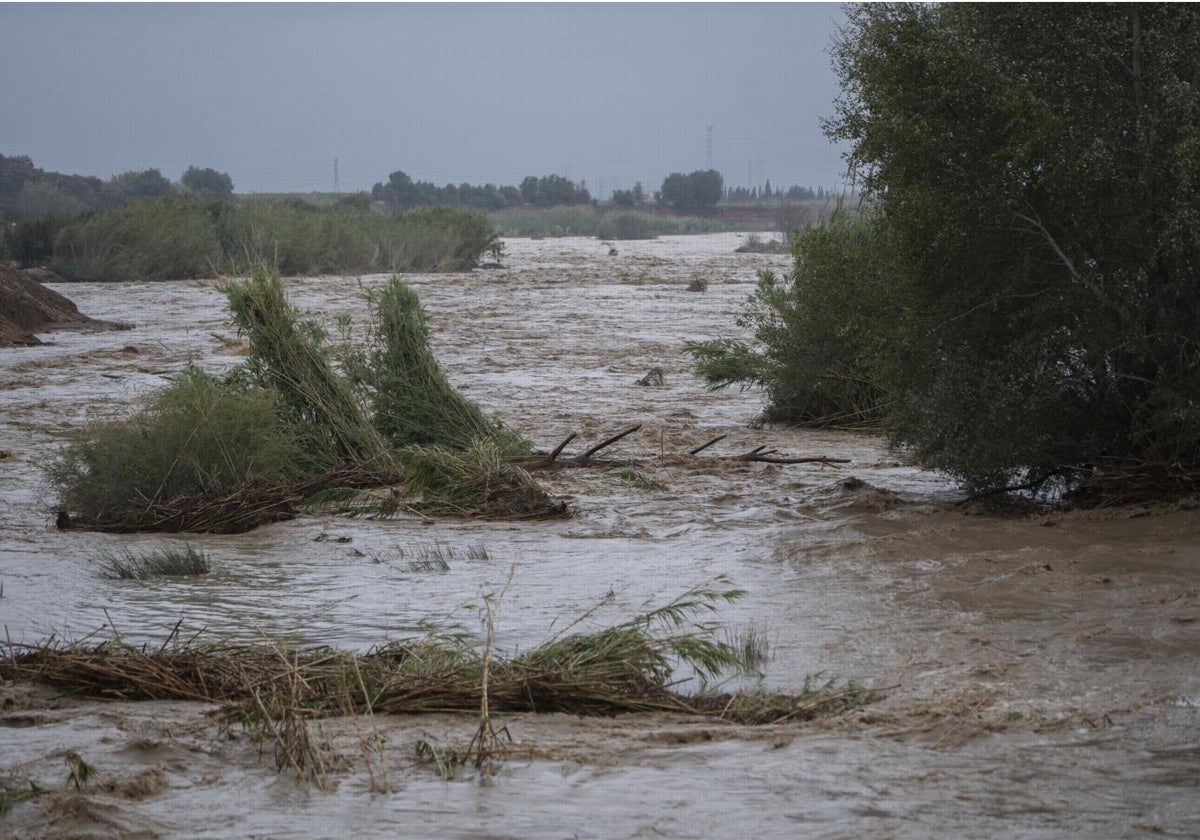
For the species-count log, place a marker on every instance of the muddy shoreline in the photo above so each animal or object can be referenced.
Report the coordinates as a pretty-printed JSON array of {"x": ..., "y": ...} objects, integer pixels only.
[{"x": 1040, "y": 673}]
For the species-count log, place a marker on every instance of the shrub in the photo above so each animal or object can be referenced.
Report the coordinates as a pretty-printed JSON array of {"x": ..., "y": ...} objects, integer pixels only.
[
  {"x": 1051, "y": 311},
  {"x": 821, "y": 331},
  {"x": 627, "y": 226},
  {"x": 199, "y": 436},
  {"x": 163, "y": 238}
]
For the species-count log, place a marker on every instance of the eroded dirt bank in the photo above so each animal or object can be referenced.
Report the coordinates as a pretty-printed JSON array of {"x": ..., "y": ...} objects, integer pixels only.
[{"x": 1040, "y": 673}]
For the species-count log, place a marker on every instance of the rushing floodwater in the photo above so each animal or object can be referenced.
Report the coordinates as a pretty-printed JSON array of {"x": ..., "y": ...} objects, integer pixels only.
[{"x": 1042, "y": 674}]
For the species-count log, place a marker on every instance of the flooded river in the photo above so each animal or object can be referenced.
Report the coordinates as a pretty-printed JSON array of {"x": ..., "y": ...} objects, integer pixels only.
[{"x": 1041, "y": 675}]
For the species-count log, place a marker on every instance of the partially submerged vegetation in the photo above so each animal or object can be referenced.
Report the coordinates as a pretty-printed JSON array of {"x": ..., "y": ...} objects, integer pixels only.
[
  {"x": 171, "y": 562},
  {"x": 628, "y": 667},
  {"x": 817, "y": 332},
  {"x": 301, "y": 422}
]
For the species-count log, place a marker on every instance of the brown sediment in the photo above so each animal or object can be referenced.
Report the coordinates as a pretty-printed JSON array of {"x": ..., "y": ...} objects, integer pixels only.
[{"x": 26, "y": 307}]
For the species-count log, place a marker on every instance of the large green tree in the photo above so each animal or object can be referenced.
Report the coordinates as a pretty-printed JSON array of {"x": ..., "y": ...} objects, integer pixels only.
[
  {"x": 696, "y": 192},
  {"x": 1036, "y": 169},
  {"x": 208, "y": 182}
]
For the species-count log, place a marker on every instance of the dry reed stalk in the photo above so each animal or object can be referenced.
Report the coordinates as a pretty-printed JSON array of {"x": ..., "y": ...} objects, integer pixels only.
[{"x": 485, "y": 737}]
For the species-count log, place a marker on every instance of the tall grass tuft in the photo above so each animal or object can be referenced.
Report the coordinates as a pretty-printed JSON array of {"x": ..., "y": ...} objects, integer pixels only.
[
  {"x": 411, "y": 401},
  {"x": 174, "y": 562},
  {"x": 288, "y": 356}
]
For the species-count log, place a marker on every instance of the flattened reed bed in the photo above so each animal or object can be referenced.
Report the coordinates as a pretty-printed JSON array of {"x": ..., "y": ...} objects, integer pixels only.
[
  {"x": 628, "y": 667},
  {"x": 578, "y": 678}
]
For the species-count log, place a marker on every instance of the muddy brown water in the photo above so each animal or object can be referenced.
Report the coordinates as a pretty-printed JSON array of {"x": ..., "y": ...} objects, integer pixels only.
[{"x": 1042, "y": 675}]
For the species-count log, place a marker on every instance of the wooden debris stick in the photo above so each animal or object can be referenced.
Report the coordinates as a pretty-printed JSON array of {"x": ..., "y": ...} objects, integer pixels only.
[
  {"x": 558, "y": 449},
  {"x": 701, "y": 448},
  {"x": 607, "y": 443}
]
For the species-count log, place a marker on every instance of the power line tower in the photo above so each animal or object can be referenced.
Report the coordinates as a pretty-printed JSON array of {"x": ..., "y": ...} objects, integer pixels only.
[
  {"x": 708, "y": 148},
  {"x": 337, "y": 188}
]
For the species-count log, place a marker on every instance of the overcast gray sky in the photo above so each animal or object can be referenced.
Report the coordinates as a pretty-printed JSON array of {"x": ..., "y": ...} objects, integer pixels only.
[{"x": 273, "y": 93}]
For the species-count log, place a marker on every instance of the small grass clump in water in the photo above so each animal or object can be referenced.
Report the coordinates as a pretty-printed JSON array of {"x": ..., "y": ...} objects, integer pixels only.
[{"x": 172, "y": 562}]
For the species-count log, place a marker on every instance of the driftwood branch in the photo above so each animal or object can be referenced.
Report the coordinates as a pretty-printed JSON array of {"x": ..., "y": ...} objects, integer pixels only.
[
  {"x": 765, "y": 458},
  {"x": 607, "y": 443},
  {"x": 702, "y": 447},
  {"x": 758, "y": 455},
  {"x": 558, "y": 449},
  {"x": 553, "y": 461}
]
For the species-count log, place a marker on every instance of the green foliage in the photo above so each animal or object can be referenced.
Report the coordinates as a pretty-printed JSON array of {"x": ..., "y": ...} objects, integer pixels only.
[
  {"x": 626, "y": 226},
  {"x": 820, "y": 330},
  {"x": 411, "y": 401},
  {"x": 696, "y": 192},
  {"x": 199, "y": 436},
  {"x": 207, "y": 182},
  {"x": 185, "y": 236},
  {"x": 38, "y": 200},
  {"x": 146, "y": 184},
  {"x": 165, "y": 238},
  {"x": 623, "y": 198},
  {"x": 475, "y": 481},
  {"x": 31, "y": 243},
  {"x": 402, "y": 191},
  {"x": 435, "y": 239},
  {"x": 553, "y": 191},
  {"x": 289, "y": 358},
  {"x": 588, "y": 220},
  {"x": 1037, "y": 175}
]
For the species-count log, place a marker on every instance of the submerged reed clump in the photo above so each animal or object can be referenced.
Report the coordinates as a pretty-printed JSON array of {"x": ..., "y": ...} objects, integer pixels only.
[
  {"x": 410, "y": 399},
  {"x": 171, "y": 562},
  {"x": 288, "y": 356},
  {"x": 475, "y": 482}
]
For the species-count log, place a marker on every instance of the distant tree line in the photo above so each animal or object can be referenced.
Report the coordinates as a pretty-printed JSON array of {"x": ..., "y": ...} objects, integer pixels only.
[
  {"x": 31, "y": 194},
  {"x": 745, "y": 195},
  {"x": 548, "y": 191},
  {"x": 696, "y": 192}
]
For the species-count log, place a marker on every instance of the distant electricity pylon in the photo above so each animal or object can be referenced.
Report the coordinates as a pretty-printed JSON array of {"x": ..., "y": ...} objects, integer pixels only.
[
  {"x": 336, "y": 186},
  {"x": 708, "y": 148}
]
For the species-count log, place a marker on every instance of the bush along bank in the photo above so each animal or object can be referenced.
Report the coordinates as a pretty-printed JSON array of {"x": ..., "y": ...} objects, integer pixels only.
[{"x": 177, "y": 237}]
